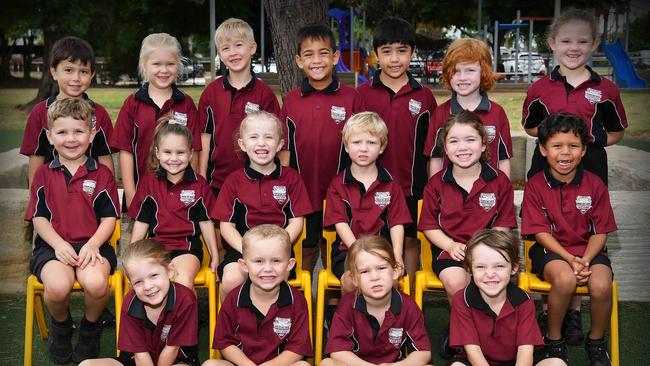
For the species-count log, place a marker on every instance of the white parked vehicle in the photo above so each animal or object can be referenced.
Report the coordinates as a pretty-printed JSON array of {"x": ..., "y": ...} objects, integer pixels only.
[{"x": 538, "y": 66}]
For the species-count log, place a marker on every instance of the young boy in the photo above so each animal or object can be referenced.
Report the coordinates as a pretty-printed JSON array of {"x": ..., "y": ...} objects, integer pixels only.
[
  {"x": 568, "y": 210},
  {"x": 406, "y": 107},
  {"x": 363, "y": 199},
  {"x": 73, "y": 205},
  {"x": 265, "y": 319},
  {"x": 227, "y": 100},
  {"x": 313, "y": 117},
  {"x": 72, "y": 65}
]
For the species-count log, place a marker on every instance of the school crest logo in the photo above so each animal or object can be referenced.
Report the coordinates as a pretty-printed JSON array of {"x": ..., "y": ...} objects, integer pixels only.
[
  {"x": 491, "y": 132},
  {"x": 187, "y": 196},
  {"x": 593, "y": 95},
  {"x": 583, "y": 203},
  {"x": 487, "y": 201},
  {"x": 281, "y": 326},
  {"x": 395, "y": 336},
  {"x": 180, "y": 118},
  {"x": 93, "y": 121},
  {"x": 338, "y": 114},
  {"x": 165, "y": 332},
  {"x": 280, "y": 193},
  {"x": 382, "y": 199},
  {"x": 251, "y": 107},
  {"x": 88, "y": 186},
  {"x": 414, "y": 106}
]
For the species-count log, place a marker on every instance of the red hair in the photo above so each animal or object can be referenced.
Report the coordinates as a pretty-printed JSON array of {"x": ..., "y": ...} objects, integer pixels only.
[{"x": 468, "y": 50}]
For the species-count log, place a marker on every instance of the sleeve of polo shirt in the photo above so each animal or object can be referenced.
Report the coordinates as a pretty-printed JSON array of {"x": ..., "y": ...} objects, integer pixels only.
[
  {"x": 358, "y": 105},
  {"x": 534, "y": 111},
  {"x": 335, "y": 207},
  {"x": 416, "y": 332},
  {"x": 122, "y": 137},
  {"x": 225, "y": 333},
  {"x": 106, "y": 203},
  {"x": 527, "y": 329},
  {"x": 130, "y": 338},
  {"x": 300, "y": 204},
  {"x": 430, "y": 206},
  {"x": 225, "y": 205},
  {"x": 533, "y": 216},
  {"x": 462, "y": 329},
  {"x": 298, "y": 340},
  {"x": 32, "y": 141},
  {"x": 602, "y": 215},
  {"x": 205, "y": 113},
  {"x": 505, "y": 139},
  {"x": 613, "y": 113},
  {"x": 432, "y": 146},
  {"x": 104, "y": 129},
  {"x": 209, "y": 200},
  {"x": 271, "y": 104},
  {"x": 37, "y": 206},
  {"x": 342, "y": 329},
  {"x": 506, "y": 202},
  {"x": 284, "y": 121},
  {"x": 185, "y": 328},
  {"x": 194, "y": 125},
  {"x": 143, "y": 207},
  {"x": 398, "y": 212}
]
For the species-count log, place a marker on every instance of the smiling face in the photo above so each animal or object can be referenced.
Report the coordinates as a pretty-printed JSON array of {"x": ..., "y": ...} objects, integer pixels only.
[
  {"x": 394, "y": 59},
  {"x": 373, "y": 276},
  {"x": 70, "y": 137},
  {"x": 363, "y": 148},
  {"x": 235, "y": 53},
  {"x": 563, "y": 152},
  {"x": 267, "y": 262},
  {"x": 261, "y": 142},
  {"x": 150, "y": 280},
  {"x": 466, "y": 80},
  {"x": 491, "y": 271},
  {"x": 317, "y": 60},
  {"x": 161, "y": 68},
  {"x": 174, "y": 153},
  {"x": 464, "y": 145},
  {"x": 573, "y": 44},
  {"x": 73, "y": 78}
]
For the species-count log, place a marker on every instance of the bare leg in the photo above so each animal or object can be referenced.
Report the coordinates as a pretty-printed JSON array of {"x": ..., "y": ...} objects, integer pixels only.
[
  {"x": 94, "y": 281},
  {"x": 563, "y": 285},
  {"x": 58, "y": 279},
  {"x": 454, "y": 279},
  {"x": 411, "y": 258},
  {"x": 232, "y": 277},
  {"x": 187, "y": 266},
  {"x": 600, "y": 291}
]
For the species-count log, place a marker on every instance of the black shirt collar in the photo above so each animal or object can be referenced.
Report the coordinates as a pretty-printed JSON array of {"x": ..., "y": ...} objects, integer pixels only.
[
  {"x": 142, "y": 94},
  {"x": 376, "y": 81},
  {"x": 483, "y": 106},
  {"x": 487, "y": 173},
  {"x": 395, "y": 303},
  {"x": 285, "y": 297},
  {"x": 52, "y": 99},
  {"x": 90, "y": 163},
  {"x": 136, "y": 309},
  {"x": 555, "y": 74},
  {"x": 553, "y": 183},
  {"x": 473, "y": 298},
  {"x": 228, "y": 86},
  {"x": 306, "y": 88},
  {"x": 253, "y": 174},
  {"x": 189, "y": 174},
  {"x": 382, "y": 174}
]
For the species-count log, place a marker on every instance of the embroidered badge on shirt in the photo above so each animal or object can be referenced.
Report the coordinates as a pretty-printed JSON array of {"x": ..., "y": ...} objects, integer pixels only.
[
  {"x": 338, "y": 114},
  {"x": 593, "y": 95},
  {"x": 414, "y": 106},
  {"x": 491, "y": 132},
  {"x": 251, "y": 107},
  {"x": 165, "y": 332},
  {"x": 187, "y": 196},
  {"x": 583, "y": 203},
  {"x": 395, "y": 336},
  {"x": 487, "y": 201},
  {"x": 382, "y": 199},
  {"x": 280, "y": 193},
  {"x": 88, "y": 186},
  {"x": 281, "y": 326},
  {"x": 180, "y": 118}
]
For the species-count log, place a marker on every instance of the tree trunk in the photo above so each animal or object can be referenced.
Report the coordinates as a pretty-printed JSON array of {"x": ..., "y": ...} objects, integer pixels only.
[
  {"x": 286, "y": 18},
  {"x": 47, "y": 87}
]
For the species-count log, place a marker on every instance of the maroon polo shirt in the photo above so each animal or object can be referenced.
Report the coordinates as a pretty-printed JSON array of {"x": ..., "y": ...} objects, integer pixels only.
[
  {"x": 177, "y": 325},
  {"x": 35, "y": 140},
  {"x": 173, "y": 211},
  {"x": 354, "y": 329},
  {"x": 597, "y": 101},
  {"x": 137, "y": 121},
  {"x": 459, "y": 214},
  {"x": 407, "y": 114},
  {"x": 368, "y": 212},
  {"x": 249, "y": 198},
  {"x": 74, "y": 204},
  {"x": 285, "y": 327},
  {"x": 499, "y": 335},
  {"x": 221, "y": 109},
  {"x": 313, "y": 120},
  {"x": 571, "y": 212},
  {"x": 494, "y": 120}
]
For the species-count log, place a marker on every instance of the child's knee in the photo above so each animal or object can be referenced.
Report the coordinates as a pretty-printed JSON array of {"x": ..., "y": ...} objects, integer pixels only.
[
  {"x": 564, "y": 284},
  {"x": 454, "y": 284},
  {"x": 57, "y": 292},
  {"x": 231, "y": 279},
  {"x": 600, "y": 290},
  {"x": 327, "y": 362}
]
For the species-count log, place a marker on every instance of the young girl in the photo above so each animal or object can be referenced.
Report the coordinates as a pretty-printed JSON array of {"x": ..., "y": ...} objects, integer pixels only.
[
  {"x": 262, "y": 192},
  {"x": 376, "y": 324},
  {"x": 492, "y": 319},
  {"x": 159, "y": 319},
  {"x": 159, "y": 65},
  {"x": 173, "y": 204},
  {"x": 467, "y": 71}
]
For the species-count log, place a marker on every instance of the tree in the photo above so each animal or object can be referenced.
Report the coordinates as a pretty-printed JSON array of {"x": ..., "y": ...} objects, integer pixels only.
[{"x": 286, "y": 18}]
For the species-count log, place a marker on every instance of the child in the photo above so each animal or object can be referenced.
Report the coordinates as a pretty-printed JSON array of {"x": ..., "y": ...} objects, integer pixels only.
[
  {"x": 363, "y": 199},
  {"x": 173, "y": 204},
  {"x": 159, "y": 65},
  {"x": 567, "y": 208},
  {"x": 313, "y": 117},
  {"x": 262, "y": 192},
  {"x": 375, "y": 325},
  {"x": 467, "y": 71},
  {"x": 406, "y": 107},
  {"x": 574, "y": 87},
  {"x": 264, "y": 320},
  {"x": 73, "y": 205},
  {"x": 159, "y": 317},
  {"x": 466, "y": 196},
  {"x": 227, "y": 100},
  {"x": 492, "y": 319},
  {"x": 72, "y": 65}
]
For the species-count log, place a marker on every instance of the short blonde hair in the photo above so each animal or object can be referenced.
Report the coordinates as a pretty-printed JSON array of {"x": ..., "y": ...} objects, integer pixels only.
[
  {"x": 266, "y": 231},
  {"x": 373, "y": 244},
  {"x": 157, "y": 41},
  {"x": 78, "y": 109},
  {"x": 234, "y": 27},
  {"x": 369, "y": 122},
  {"x": 258, "y": 115},
  {"x": 145, "y": 249}
]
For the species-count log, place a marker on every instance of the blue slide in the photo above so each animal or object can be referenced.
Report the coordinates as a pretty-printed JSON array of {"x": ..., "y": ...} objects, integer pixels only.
[{"x": 626, "y": 75}]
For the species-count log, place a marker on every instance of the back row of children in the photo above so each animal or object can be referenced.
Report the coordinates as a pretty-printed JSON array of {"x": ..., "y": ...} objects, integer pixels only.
[{"x": 166, "y": 198}]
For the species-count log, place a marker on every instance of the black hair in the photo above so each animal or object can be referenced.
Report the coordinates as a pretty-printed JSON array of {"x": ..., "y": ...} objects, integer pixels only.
[
  {"x": 72, "y": 49},
  {"x": 316, "y": 31},
  {"x": 562, "y": 123},
  {"x": 393, "y": 30}
]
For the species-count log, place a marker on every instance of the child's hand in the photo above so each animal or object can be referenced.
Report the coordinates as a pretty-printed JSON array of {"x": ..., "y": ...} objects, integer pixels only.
[
  {"x": 214, "y": 262},
  {"x": 457, "y": 251},
  {"x": 89, "y": 254},
  {"x": 66, "y": 254},
  {"x": 578, "y": 264},
  {"x": 584, "y": 274},
  {"x": 400, "y": 266}
]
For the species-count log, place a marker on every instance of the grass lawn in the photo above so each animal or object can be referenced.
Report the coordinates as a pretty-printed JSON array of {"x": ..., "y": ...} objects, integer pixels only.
[{"x": 13, "y": 120}]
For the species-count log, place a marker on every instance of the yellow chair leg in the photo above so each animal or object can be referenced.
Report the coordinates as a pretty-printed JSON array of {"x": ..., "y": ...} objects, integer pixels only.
[
  {"x": 320, "y": 316},
  {"x": 613, "y": 331},
  {"x": 29, "y": 323},
  {"x": 418, "y": 288},
  {"x": 40, "y": 316},
  {"x": 118, "y": 293},
  {"x": 212, "y": 311},
  {"x": 306, "y": 288}
]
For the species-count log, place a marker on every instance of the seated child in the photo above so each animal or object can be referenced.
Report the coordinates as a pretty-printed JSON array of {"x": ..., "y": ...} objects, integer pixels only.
[
  {"x": 568, "y": 210},
  {"x": 376, "y": 324},
  {"x": 364, "y": 199},
  {"x": 262, "y": 192},
  {"x": 492, "y": 319},
  {"x": 73, "y": 205},
  {"x": 159, "y": 319},
  {"x": 173, "y": 204},
  {"x": 265, "y": 319}
]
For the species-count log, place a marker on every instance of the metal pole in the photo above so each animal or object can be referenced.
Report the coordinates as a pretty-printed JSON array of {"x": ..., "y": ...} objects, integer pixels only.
[
  {"x": 627, "y": 26},
  {"x": 517, "y": 21},
  {"x": 556, "y": 14},
  {"x": 530, "y": 49},
  {"x": 495, "y": 45},
  {"x": 485, "y": 30},
  {"x": 262, "y": 37},
  {"x": 352, "y": 39},
  {"x": 480, "y": 7},
  {"x": 213, "y": 53}
]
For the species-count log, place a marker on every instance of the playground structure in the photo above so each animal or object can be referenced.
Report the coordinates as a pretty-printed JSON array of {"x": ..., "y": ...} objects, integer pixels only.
[
  {"x": 625, "y": 74},
  {"x": 356, "y": 55}
]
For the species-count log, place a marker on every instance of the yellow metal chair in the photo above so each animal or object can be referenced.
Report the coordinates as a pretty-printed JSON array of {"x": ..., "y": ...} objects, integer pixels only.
[
  {"x": 425, "y": 279},
  {"x": 530, "y": 283},
  {"x": 34, "y": 303}
]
